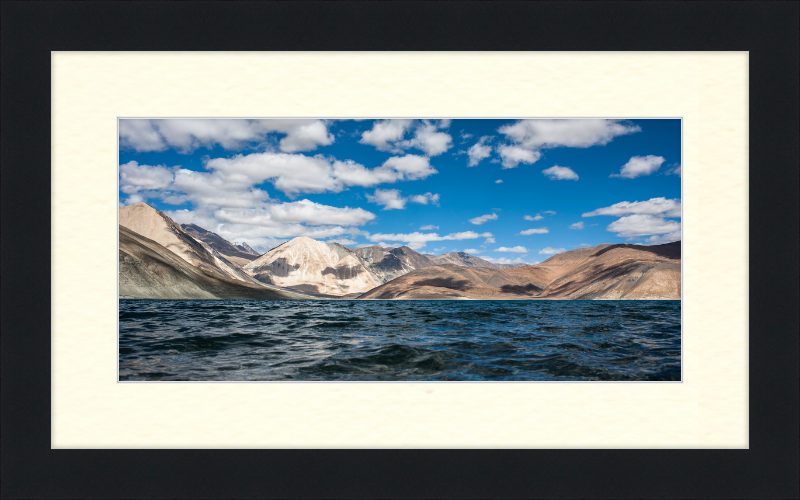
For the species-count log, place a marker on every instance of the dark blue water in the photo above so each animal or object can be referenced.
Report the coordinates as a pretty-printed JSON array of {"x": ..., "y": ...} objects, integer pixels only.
[{"x": 352, "y": 340}]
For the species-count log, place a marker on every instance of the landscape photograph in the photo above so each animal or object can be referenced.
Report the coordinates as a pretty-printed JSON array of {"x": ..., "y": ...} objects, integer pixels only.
[{"x": 399, "y": 249}]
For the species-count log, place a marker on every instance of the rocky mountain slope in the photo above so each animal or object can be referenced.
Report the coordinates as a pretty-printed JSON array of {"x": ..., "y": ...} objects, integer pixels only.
[
  {"x": 316, "y": 267},
  {"x": 467, "y": 260},
  {"x": 600, "y": 272},
  {"x": 239, "y": 255},
  {"x": 145, "y": 220},
  {"x": 148, "y": 270}
]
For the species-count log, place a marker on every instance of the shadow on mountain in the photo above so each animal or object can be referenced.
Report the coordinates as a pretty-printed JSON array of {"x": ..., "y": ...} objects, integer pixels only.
[
  {"x": 529, "y": 289},
  {"x": 668, "y": 250},
  {"x": 451, "y": 283}
]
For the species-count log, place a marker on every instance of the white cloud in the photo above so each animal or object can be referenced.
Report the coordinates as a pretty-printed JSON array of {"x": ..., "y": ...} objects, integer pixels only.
[
  {"x": 418, "y": 240},
  {"x": 489, "y": 241},
  {"x": 653, "y": 206},
  {"x": 506, "y": 260},
  {"x": 429, "y": 227},
  {"x": 537, "y": 217},
  {"x": 135, "y": 177},
  {"x": 297, "y": 173},
  {"x": 186, "y": 135},
  {"x": 391, "y": 199},
  {"x": 577, "y": 225},
  {"x": 306, "y": 137},
  {"x": 483, "y": 218},
  {"x": 409, "y": 167},
  {"x": 639, "y": 166},
  {"x": 560, "y": 173},
  {"x": 472, "y": 250},
  {"x": 498, "y": 181},
  {"x": 308, "y": 212},
  {"x": 387, "y": 135},
  {"x": 635, "y": 225},
  {"x": 479, "y": 151},
  {"x": 298, "y": 212},
  {"x": 388, "y": 198},
  {"x": 664, "y": 238},
  {"x": 551, "y": 251},
  {"x": 385, "y": 132},
  {"x": 140, "y": 135},
  {"x": 516, "y": 249},
  {"x": 576, "y": 133},
  {"x": 541, "y": 230},
  {"x": 428, "y": 139},
  {"x": 676, "y": 170},
  {"x": 132, "y": 200},
  {"x": 513, "y": 155},
  {"x": 549, "y": 212},
  {"x": 424, "y": 199}
]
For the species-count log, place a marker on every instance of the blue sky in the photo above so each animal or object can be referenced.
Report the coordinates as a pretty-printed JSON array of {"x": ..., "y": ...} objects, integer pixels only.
[{"x": 505, "y": 190}]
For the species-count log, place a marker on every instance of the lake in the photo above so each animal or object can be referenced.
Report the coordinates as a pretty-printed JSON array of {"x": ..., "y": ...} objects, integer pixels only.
[{"x": 442, "y": 340}]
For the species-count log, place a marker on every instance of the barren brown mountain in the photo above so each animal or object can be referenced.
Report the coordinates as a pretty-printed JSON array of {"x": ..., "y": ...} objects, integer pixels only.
[
  {"x": 240, "y": 255},
  {"x": 467, "y": 260},
  {"x": 145, "y": 220},
  {"x": 601, "y": 272},
  {"x": 148, "y": 270}
]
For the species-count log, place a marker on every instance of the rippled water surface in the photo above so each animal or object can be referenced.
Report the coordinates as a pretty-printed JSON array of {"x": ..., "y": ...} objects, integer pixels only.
[{"x": 202, "y": 340}]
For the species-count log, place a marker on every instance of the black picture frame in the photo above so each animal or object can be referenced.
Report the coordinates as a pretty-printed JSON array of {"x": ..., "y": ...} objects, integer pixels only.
[{"x": 768, "y": 30}]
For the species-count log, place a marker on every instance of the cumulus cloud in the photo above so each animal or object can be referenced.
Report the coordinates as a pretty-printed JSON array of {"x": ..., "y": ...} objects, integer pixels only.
[
  {"x": 536, "y": 217},
  {"x": 299, "y": 212},
  {"x": 472, "y": 250},
  {"x": 424, "y": 199},
  {"x": 483, "y": 218},
  {"x": 664, "y": 238},
  {"x": 479, "y": 151},
  {"x": 528, "y": 137},
  {"x": 388, "y": 198},
  {"x": 639, "y": 166},
  {"x": 384, "y": 133},
  {"x": 428, "y": 139},
  {"x": 489, "y": 241},
  {"x": 541, "y": 230},
  {"x": 549, "y": 212},
  {"x": 388, "y": 135},
  {"x": 297, "y": 173},
  {"x": 429, "y": 227},
  {"x": 516, "y": 249},
  {"x": 498, "y": 181},
  {"x": 575, "y": 133},
  {"x": 635, "y": 225},
  {"x": 551, "y": 251},
  {"x": 135, "y": 177},
  {"x": 417, "y": 240},
  {"x": 186, "y": 135},
  {"x": 560, "y": 173},
  {"x": 653, "y": 206},
  {"x": 577, "y": 225},
  {"x": 512, "y": 156},
  {"x": 392, "y": 199},
  {"x": 506, "y": 260}
]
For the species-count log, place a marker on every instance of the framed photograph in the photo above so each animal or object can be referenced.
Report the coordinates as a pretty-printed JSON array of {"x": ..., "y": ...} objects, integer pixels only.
[
  {"x": 174, "y": 186},
  {"x": 399, "y": 250}
]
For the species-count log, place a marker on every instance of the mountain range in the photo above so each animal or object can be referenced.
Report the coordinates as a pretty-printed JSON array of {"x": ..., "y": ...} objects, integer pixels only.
[{"x": 162, "y": 259}]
